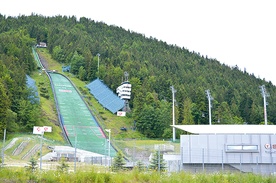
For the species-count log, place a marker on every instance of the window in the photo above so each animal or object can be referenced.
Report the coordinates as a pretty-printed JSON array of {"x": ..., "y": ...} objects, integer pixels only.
[
  {"x": 234, "y": 147},
  {"x": 242, "y": 148},
  {"x": 250, "y": 147}
]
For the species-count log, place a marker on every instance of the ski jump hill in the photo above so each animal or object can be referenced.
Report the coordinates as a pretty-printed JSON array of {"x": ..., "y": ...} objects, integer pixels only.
[{"x": 79, "y": 125}]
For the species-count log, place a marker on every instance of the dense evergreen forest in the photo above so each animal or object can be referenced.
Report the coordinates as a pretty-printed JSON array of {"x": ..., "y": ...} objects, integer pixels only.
[{"x": 153, "y": 67}]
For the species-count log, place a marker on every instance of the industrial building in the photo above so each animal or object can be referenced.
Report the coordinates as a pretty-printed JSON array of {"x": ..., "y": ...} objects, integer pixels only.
[{"x": 233, "y": 148}]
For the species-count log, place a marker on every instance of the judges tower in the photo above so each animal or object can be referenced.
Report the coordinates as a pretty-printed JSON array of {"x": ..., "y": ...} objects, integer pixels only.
[{"x": 124, "y": 92}]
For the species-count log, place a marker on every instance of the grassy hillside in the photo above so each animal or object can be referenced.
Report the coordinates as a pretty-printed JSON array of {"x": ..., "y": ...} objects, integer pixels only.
[
  {"x": 134, "y": 145},
  {"x": 122, "y": 140},
  {"x": 105, "y": 118}
]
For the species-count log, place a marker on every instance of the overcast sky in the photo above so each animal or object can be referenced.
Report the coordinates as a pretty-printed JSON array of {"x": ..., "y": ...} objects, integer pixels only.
[{"x": 235, "y": 32}]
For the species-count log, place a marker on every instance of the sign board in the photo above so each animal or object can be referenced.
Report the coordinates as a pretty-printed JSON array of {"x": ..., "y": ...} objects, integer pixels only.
[
  {"x": 47, "y": 128},
  {"x": 41, "y": 129},
  {"x": 121, "y": 113},
  {"x": 38, "y": 130}
]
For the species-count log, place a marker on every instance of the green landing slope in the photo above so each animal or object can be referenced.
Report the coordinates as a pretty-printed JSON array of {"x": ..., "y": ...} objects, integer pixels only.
[{"x": 79, "y": 124}]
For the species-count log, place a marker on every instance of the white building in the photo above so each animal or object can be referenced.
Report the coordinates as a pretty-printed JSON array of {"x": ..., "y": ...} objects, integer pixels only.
[
  {"x": 41, "y": 45},
  {"x": 241, "y": 148},
  {"x": 124, "y": 90}
]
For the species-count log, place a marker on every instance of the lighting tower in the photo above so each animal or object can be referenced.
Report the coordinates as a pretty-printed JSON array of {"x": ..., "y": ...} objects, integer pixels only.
[
  {"x": 173, "y": 118},
  {"x": 98, "y": 64},
  {"x": 109, "y": 146},
  {"x": 264, "y": 94},
  {"x": 208, "y": 94}
]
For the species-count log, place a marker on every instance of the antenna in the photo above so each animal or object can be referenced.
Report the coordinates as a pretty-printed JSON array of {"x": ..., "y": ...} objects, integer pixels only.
[
  {"x": 264, "y": 94},
  {"x": 208, "y": 94},
  {"x": 173, "y": 93}
]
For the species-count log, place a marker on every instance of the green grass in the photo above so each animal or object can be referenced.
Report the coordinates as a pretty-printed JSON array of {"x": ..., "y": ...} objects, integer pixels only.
[
  {"x": 52, "y": 64},
  {"x": 17, "y": 143},
  {"x": 92, "y": 174},
  {"x": 48, "y": 108},
  {"x": 32, "y": 141}
]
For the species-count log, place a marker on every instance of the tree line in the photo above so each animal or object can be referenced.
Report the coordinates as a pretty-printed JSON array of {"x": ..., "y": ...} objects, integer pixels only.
[
  {"x": 18, "y": 111},
  {"x": 153, "y": 66}
]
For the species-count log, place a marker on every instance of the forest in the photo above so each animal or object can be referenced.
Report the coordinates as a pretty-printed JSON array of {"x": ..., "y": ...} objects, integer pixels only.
[{"x": 153, "y": 66}]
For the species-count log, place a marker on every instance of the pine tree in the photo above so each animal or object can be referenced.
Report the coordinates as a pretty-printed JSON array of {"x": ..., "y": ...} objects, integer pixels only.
[
  {"x": 187, "y": 112},
  {"x": 119, "y": 162},
  {"x": 63, "y": 167},
  {"x": 140, "y": 166},
  {"x": 32, "y": 165},
  {"x": 157, "y": 162}
]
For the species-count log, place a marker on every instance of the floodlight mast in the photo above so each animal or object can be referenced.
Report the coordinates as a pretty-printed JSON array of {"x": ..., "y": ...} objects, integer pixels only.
[
  {"x": 173, "y": 118},
  {"x": 3, "y": 148},
  {"x": 98, "y": 64},
  {"x": 208, "y": 94},
  {"x": 264, "y": 94},
  {"x": 109, "y": 146}
]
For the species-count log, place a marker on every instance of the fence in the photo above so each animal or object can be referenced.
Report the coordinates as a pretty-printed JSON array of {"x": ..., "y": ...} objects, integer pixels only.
[{"x": 211, "y": 160}]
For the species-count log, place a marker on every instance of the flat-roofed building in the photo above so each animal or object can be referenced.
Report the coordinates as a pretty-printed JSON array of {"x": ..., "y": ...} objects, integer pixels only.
[
  {"x": 41, "y": 45},
  {"x": 243, "y": 148}
]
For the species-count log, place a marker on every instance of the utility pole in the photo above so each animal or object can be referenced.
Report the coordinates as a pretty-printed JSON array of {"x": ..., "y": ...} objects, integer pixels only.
[
  {"x": 109, "y": 133},
  {"x": 173, "y": 116},
  {"x": 208, "y": 94},
  {"x": 264, "y": 94},
  {"x": 40, "y": 131},
  {"x": 41, "y": 138},
  {"x": 159, "y": 166},
  {"x": 3, "y": 148},
  {"x": 75, "y": 163}
]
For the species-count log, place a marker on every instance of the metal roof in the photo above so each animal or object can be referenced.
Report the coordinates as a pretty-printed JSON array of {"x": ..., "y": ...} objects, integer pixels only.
[
  {"x": 228, "y": 129},
  {"x": 105, "y": 96}
]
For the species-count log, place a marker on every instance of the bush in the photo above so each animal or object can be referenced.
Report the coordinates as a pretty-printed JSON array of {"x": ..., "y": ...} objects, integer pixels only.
[
  {"x": 32, "y": 165},
  {"x": 63, "y": 167}
]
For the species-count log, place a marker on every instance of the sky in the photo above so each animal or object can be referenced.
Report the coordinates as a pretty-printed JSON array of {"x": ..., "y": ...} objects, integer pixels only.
[{"x": 234, "y": 32}]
